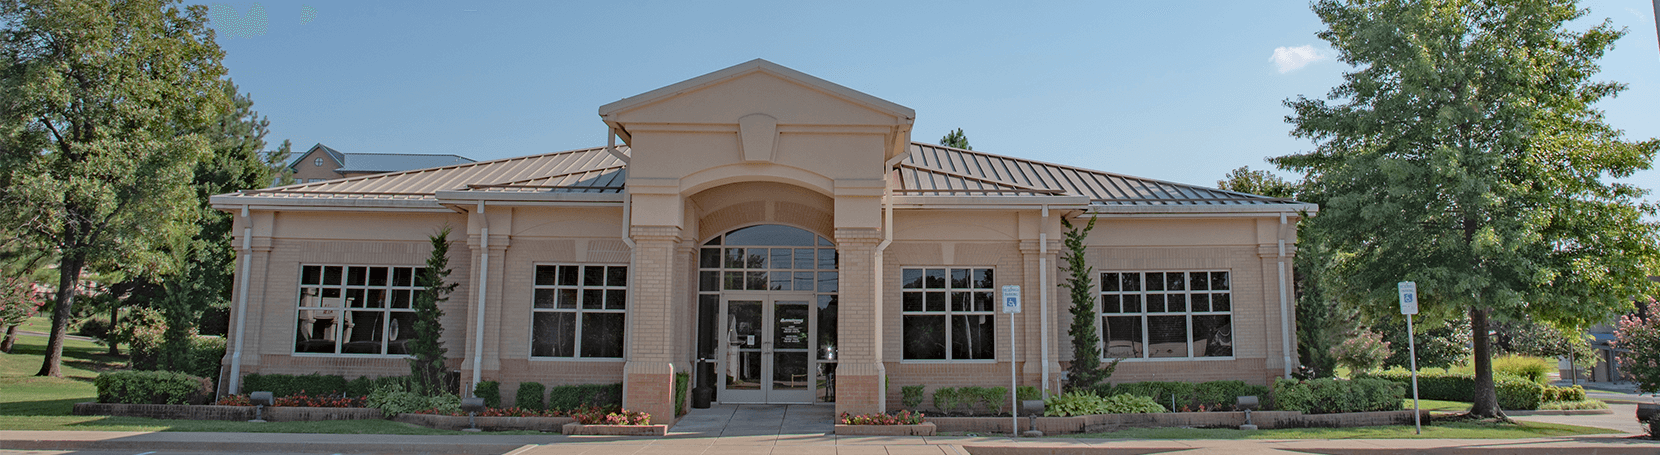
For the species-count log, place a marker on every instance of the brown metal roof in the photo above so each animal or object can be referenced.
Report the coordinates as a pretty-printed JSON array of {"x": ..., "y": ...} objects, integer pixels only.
[
  {"x": 930, "y": 170},
  {"x": 945, "y": 171}
]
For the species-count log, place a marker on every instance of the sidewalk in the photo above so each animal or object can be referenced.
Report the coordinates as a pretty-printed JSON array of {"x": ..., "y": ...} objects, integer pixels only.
[{"x": 782, "y": 444}]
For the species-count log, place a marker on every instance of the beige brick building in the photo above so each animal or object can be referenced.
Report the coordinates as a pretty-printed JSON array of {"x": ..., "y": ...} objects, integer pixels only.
[{"x": 779, "y": 230}]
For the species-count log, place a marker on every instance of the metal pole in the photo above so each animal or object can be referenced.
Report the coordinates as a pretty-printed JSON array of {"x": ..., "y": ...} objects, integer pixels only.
[
  {"x": 1412, "y": 349},
  {"x": 1014, "y": 403}
]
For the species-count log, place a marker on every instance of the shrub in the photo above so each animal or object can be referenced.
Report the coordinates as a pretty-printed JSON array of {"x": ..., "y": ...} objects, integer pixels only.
[
  {"x": 282, "y": 385},
  {"x": 1530, "y": 368},
  {"x": 573, "y": 396},
  {"x": 1513, "y": 392},
  {"x": 364, "y": 385},
  {"x": 681, "y": 381},
  {"x": 490, "y": 391},
  {"x": 1575, "y": 405},
  {"x": 905, "y": 417},
  {"x": 1364, "y": 352},
  {"x": 530, "y": 396},
  {"x": 141, "y": 330},
  {"x": 202, "y": 357},
  {"x": 1224, "y": 395},
  {"x": 1325, "y": 396},
  {"x": 594, "y": 415},
  {"x": 307, "y": 401},
  {"x": 1518, "y": 394},
  {"x": 993, "y": 398},
  {"x": 152, "y": 387},
  {"x": 394, "y": 399},
  {"x": 98, "y": 328},
  {"x": 911, "y": 396},
  {"x": 947, "y": 399},
  {"x": 1027, "y": 392},
  {"x": 1176, "y": 395},
  {"x": 1085, "y": 403},
  {"x": 1575, "y": 393}
]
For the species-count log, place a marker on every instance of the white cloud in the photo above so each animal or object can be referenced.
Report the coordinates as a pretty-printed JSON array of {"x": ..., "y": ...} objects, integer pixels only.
[{"x": 1290, "y": 59}]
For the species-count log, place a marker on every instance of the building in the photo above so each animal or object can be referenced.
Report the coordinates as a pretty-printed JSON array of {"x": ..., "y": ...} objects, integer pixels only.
[
  {"x": 780, "y": 228},
  {"x": 322, "y": 162}
]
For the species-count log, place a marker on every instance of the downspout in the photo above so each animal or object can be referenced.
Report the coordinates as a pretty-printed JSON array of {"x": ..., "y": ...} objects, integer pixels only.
[
  {"x": 1043, "y": 295},
  {"x": 241, "y": 303},
  {"x": 1285, "y": 311},
  {"x": 627, "y": 237},
  {"x": 483, "y": 284},
  {"x": 887, "y": 238}
]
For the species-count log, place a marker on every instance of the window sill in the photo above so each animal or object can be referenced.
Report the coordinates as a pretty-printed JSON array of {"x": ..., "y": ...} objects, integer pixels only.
[
  {"x": 578, "y": 359},
  {"x": 352, "y": 356},
  {"x": 1169, "y": 359},
  {"x": 937, "y": 361}
]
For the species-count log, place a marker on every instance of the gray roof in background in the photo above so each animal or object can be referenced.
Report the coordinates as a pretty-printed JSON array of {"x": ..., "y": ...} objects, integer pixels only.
[
  {"x": 393, "y": 162},
  {"x": 930, "y": 170}
]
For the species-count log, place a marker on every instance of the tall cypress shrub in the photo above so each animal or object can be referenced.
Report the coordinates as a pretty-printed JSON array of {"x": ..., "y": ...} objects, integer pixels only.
[
  {"x": 1086, "y": 370},
  {"x": 427, "y": 368}
]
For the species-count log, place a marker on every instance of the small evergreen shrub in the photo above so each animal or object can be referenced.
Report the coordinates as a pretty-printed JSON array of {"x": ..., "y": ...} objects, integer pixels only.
[
  {"x": 1079, "y": 403},
  {"x": 1224, "y": 395},
  {"x": 1176, "y": 395},
  {"x": 1026, "y": 392},
  {"x": 993, "y": 398},
  {"x": 947, "y": 399},
  {"x": 152, "y": 387},
  {"x": 204, "y": 356},
  {"x": 1513, "y": 392},
  {"x": 1325, "y": 396},
  {"x": 1518, "y": 394},
  {"x": 1577, "y": 405},
  {"x": 530, "y": 396},
  {"x": 911, "y": 396},
  {"x": 394, "y": 399},
  {"x": 572, "y": 396},
  {"x": 681, "y": 382},
  {"x": 490, "y": 391},
  {"x": 1363, "y": 352},
  {"x": 316, "y": 384}
]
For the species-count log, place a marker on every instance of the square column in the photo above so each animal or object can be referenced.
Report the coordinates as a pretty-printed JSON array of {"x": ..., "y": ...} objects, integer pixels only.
[
  {"x": 648, "y": 376},
  {"x": 859, "y": 374}
]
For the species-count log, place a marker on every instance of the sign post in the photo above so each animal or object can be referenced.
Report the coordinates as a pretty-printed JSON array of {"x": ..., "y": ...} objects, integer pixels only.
[
  {"x": 1011, "y": 305},
  {"x": 1409, "y": 307}
]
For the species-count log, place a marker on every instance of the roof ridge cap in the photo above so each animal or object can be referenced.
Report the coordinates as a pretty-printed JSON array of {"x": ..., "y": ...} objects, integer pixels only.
[{"x": 431, "y": 169}]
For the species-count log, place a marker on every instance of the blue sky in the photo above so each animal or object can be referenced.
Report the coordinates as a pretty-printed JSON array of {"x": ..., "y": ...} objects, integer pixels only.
[{"x": 1180, "y": 91}]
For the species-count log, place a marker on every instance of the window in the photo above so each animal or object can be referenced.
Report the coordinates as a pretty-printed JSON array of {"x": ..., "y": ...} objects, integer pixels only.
[
  {"x": 579, "y": 311},
  {"x": 948, "y": 314},
  {"x": 317, "y": 162},
  {"x": 353, "y": 309},
  {"x": 769, "y": 257},
  {"x": 1166, "y": 314}
]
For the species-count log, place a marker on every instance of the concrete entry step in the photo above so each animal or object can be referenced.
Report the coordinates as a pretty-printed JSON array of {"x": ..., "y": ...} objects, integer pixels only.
[{"x": 756, "y": 420}]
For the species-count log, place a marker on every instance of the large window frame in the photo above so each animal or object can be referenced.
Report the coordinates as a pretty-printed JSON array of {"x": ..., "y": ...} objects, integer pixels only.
[
  {"x": 584, "y": 307},
  {"x": 355, "y": 310},
  {"x": 1142, "y": 312},
  {"x": 960, "y": 300}
]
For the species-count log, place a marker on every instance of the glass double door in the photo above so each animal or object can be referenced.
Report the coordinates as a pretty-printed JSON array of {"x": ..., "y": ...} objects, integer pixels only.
[{"x": 767, "y": 350}]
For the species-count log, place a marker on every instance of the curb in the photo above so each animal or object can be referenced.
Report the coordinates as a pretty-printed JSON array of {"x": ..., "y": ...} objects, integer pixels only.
[
  {"x": 283, "y": 447},
  {"x": 1560, "y": 412}
]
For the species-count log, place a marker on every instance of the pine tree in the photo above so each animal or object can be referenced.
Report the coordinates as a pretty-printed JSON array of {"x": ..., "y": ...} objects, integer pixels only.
[
  {"x": 1086, "y": 371},
  {"x": 956, "y": 139},
  {"x": 427, "y": 368}
]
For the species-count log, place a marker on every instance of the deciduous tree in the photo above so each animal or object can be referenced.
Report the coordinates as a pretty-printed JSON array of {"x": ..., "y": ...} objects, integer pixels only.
[
  {"x": 1463, "y": 153},
  {"x": 102, "y": 109}
]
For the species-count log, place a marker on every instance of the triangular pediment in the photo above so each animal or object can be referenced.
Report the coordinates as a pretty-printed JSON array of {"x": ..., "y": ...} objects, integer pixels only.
[{"x": 756, "y": 87}]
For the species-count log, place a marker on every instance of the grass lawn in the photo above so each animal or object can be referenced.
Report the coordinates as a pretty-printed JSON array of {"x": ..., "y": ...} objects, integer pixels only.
[
  {"x": 1437, "y": 405},
  {"x": 1449, "y": 430},
  {"x": 30, "y": 395}
]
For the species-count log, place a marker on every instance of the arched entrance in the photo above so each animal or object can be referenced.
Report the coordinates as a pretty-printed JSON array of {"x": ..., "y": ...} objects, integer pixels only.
[{"x": 767, "y": 314}]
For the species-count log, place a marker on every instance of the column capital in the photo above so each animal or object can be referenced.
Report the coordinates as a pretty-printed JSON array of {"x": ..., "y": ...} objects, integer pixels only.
[
  {"x": 1035, "y": 246},
  {"x": 858, "y": 235}
]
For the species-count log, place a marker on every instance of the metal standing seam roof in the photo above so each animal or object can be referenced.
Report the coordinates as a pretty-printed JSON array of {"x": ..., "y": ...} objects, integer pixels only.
[
  {"x": 929, "y": 170},
  {"x": 945, "y": 171}
]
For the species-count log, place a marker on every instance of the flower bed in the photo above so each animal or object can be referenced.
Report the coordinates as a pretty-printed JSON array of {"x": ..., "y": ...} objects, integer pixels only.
[
  {"x": 493, "y": 423},
  {"x": 1109, "y": 422},
  {"x": 591, "y": 420},
  {"x": 300, "y": 400},
  {"x": 904, "y": 423}
]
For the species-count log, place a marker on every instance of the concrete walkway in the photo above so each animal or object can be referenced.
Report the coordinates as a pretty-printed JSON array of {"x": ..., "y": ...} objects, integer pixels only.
[{"x": 756, "y": 422}]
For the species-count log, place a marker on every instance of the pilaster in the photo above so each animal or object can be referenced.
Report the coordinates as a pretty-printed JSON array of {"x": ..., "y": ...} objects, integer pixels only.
[{"x": 860, "y": 374}]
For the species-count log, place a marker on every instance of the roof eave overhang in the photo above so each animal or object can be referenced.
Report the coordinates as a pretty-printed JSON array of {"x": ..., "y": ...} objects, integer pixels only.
[
  {"x": 466, "y": 197},
  {"x": 1204, "y": 210}
]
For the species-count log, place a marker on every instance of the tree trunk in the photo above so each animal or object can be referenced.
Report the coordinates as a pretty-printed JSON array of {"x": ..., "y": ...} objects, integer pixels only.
[
  {"x": 1485, "y": 403},
  {"x": 69, "y": 272},
  {"x": 115, "y": 348},
  {"x": 11, "y": 337}
]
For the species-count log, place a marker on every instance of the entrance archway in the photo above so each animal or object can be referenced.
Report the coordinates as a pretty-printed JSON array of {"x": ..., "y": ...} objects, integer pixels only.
[{"x": 767, "y": 314}]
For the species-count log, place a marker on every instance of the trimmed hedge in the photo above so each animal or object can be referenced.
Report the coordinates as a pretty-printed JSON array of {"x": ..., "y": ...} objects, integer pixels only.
[
  {"x": 153, "y": 387},
  {"x": 1325, "y": 396},
  {"x": 568, "y": 397},
  {"x": 1554, "y": 393},
  {"x": 1212, "y": 396},
  {"x": 315, "y": 384},
  {"x": 490, "y": 391},
  {"x": 1513, "y": 392},
  {"x": 530, "y": 396}
]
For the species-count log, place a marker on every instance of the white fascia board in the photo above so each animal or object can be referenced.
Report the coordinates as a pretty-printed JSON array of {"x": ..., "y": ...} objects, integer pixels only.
[
  {"x": 232, "y": 201},
  {"x": 988, "y": 202}
]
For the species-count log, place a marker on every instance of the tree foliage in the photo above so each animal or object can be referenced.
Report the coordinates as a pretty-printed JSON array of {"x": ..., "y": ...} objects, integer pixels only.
[
  {"x": 1639, "y": 338},
  {"x": 102, "y": 108},
  {"x": 1463, "y": 153},
  {"x": 956, "y": 139},
  {"x": 427, "y": 368},
  {"x": 1086, "y": 370},
  {"x": 1261, "y": 183}
]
